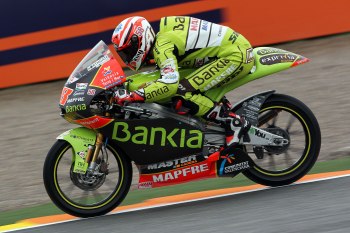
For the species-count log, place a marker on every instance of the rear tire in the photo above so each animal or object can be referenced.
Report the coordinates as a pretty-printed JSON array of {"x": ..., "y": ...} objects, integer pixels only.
[
  {"x": 308, "y": 155},
  {"x": 66, "y": 191}
]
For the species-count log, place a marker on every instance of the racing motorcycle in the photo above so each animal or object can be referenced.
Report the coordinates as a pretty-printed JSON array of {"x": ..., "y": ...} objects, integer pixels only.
[{"x": 88, "y": 171}]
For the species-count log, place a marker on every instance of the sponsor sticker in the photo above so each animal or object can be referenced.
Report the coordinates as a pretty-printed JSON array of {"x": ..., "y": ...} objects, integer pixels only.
[
  {"x": 94, "y": 122},
  {"x": 91, "y": 91},
  {"x": 194, "y": 25},
  {"x": 74, "y": 100},
  {"x": 118, "y": 28},
  {"x": 270, "y": 50},
  {"x": 98, "y": 63},
  {"x": 180, "y": 173},
  {"x": 66, "y": 92},
  {"x": 176, "y": 163},
  {"x": 277, "y": 58},
  {"x": 75, "y": 108},
  {"x": 145, "y": 185},
  {"x": 82, "y": 154},
  {"x": 157, "y": 136},
  {"x": 250, "y": 56},
  {"x": 77, "y": 93},
  {"x": 81, "y": 86},
  {"x": 107, "y": 70}
]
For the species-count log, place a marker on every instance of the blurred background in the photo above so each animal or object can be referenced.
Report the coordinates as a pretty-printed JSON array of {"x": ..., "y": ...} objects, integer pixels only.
[{"x": 41, "y": 42}]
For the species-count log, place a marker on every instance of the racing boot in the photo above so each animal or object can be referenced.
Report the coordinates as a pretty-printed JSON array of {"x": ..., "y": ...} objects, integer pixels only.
[{"x": 235, "y": 125}]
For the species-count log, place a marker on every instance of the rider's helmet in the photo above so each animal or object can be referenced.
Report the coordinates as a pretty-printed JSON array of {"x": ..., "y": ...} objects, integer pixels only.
[{"x": 133, "y": 40}]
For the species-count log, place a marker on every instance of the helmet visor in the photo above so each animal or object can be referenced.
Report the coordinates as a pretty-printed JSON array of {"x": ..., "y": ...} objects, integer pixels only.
[{"x": 128, "y": 53}]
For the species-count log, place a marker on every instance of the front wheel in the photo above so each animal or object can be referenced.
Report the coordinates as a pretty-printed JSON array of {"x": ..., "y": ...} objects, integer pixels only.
[
  {"x": 288, "y": 117},
  {"x": 86, "y": 195}
]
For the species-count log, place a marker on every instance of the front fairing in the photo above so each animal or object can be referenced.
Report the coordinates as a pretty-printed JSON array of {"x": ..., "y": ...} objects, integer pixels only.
[{"x": 97, "y": 72}]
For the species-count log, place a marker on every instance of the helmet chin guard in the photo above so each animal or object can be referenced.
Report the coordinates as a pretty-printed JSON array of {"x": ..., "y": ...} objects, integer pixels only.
[{"x": 133, "y": 39}]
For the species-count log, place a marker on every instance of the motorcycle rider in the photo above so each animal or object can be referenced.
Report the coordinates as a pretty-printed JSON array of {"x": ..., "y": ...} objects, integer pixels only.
[{"x": 219, "y": 53}]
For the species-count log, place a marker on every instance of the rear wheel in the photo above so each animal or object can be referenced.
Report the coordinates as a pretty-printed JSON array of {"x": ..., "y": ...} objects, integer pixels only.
[
  {"x": 86, "y": 195},
  {"x": 288, "y": 117}
]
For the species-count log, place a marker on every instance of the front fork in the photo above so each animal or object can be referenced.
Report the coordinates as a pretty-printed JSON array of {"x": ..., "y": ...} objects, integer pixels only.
[{"x": 93, "y": 152}]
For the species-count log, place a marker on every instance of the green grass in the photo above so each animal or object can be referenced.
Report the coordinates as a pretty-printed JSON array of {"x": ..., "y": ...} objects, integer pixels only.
[{"x": 136, "y": 196}]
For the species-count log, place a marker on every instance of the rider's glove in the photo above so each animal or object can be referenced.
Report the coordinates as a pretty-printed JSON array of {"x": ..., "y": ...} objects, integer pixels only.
[{"x": 123, "y": 96}]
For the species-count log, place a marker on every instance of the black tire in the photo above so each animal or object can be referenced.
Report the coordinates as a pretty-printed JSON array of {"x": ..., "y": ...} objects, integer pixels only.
[
  {"x": 60, "y": 197},
  {"x": 308, "y": 155}
]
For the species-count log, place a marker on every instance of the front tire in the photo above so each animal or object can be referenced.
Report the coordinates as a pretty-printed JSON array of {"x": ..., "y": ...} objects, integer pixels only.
[
  {"x": 297, "y": 161},
  {"x": 82, "y": 195}
]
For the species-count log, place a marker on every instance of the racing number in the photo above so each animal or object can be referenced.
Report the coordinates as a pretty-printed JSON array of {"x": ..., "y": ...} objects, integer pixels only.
[{"x": 66, "y": 92}]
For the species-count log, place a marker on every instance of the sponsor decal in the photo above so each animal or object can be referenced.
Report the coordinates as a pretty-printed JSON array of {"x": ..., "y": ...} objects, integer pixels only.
[
  {"x": 169, "y": 78},
  {"x": 73, "y": 100},
  {"x": 81, "y": 86},
  {"x": 258, "y": 133},
  {"x": 221, "y": 77},
  {"x": 249, "y": 56},
  {"x": 277, "y": 58},
  {"x": 176, "y": 163},
  {"x": 118, "y": 28},
  {"x": 180, "y": 23},
  {"x": 105, "y": 79},
  {"x": 232, "y": 164},
  {"x": 76, "y": 93},
  {"x": 168, "y": 69},
  {"x": 81, "y": 138},
  {"x": 227, "y": 80},
  {"x": 180, "y": 173},
  {"x": 66, "y": 92},
  {"x": 145, "y": 185},
  {"x": 253, "y": 108},
  {"x": 94, "y": 122},
  {"x": 75, "y": 108},
  {"x": 194, "y": 25},
  {"x": 270, "y": 50},
  {"x": 204, "y": 169},
  {"x": 139, "y": 31},
  {"x": 205, "y": 25},
  {"x": 158, "y": 92},
  {"x": 137, "y": 57},
  {"x": 157, "y": 136},
  {"x": 214, "y": 69},
  {"x": 98, "y": 63},
  {"x": 237, "y": 167},
  {"x": 82, "y": 154},
  {"x": 233, "y": 37},
  {"x": 107, "y": 70},
  {"x": 91, "y": 91}
]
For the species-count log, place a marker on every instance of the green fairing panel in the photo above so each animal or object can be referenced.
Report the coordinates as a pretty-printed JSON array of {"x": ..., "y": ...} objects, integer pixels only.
[
  {"x": 268, "y": 60},
  {"x": 80, "y": 139}
]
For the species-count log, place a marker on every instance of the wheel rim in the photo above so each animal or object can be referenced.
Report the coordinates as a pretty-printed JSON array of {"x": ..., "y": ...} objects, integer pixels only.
[
  {"x": 282, "y": 161},
  {"x": 87, "y": 192}
]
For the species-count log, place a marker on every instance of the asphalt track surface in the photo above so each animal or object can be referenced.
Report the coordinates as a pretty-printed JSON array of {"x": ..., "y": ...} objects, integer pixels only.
[{"x": 322, "y": 206}]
